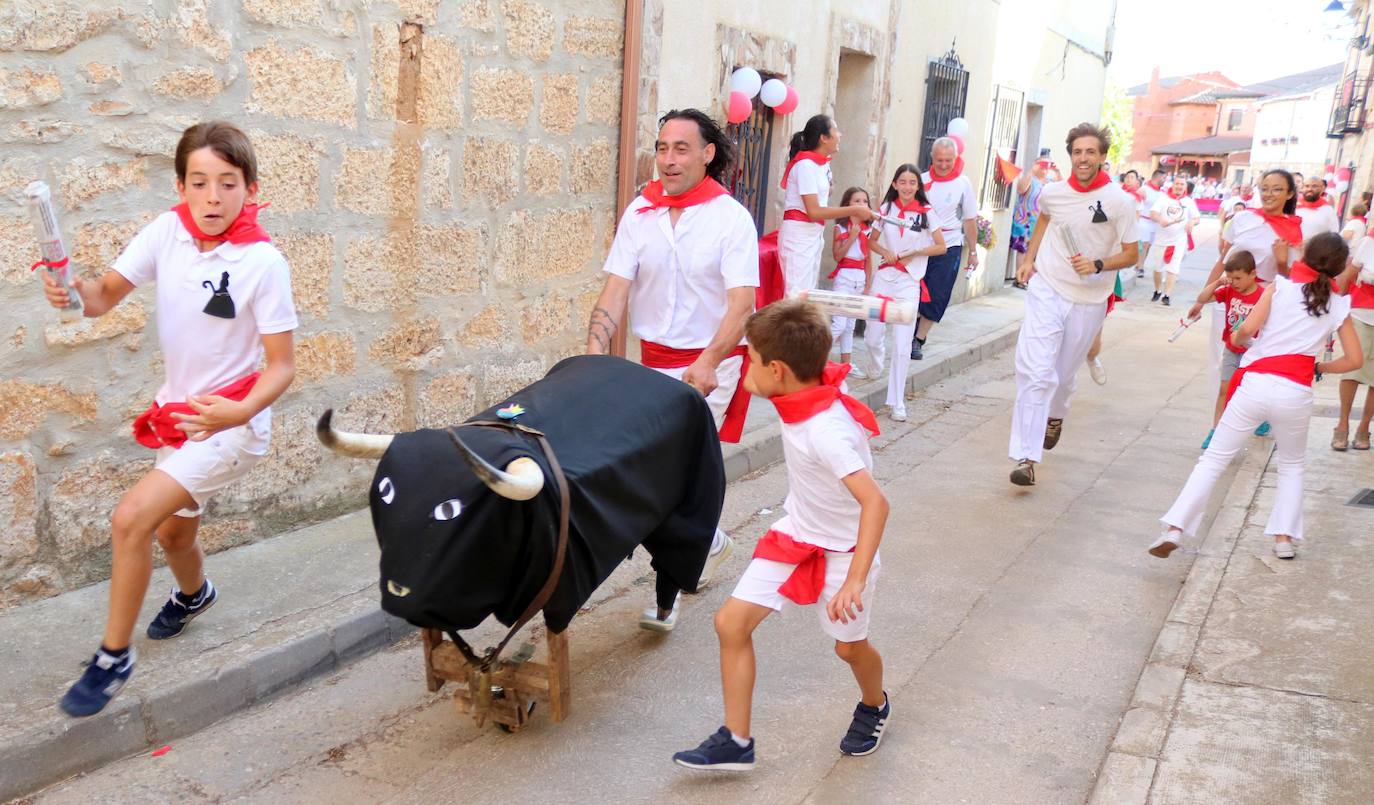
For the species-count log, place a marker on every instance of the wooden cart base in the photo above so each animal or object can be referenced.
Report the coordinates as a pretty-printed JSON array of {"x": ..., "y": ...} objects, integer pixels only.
[{"x": 508, "y": 692}]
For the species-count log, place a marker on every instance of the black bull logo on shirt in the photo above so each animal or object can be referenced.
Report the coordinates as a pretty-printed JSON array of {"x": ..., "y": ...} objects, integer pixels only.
[{"x": 462, "y": 540}]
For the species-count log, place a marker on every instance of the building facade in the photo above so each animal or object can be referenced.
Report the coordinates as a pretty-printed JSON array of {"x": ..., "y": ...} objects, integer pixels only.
[
  {"x": 1170, "y": 110},
  {"x": 1350, "y": 148}
]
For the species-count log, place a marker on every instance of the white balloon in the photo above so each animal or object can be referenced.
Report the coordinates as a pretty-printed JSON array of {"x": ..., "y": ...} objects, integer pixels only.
[
  {"x": 773, "y": 92},
  {"x": 1342, "y": 186},
  {"x": 746, "y": 80},
  {"x": 958, "y": 127}
]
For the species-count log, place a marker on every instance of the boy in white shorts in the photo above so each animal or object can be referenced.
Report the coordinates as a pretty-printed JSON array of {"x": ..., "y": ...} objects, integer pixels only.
[
  {"x": 220, "y": 284},
  {"x": 824, "y": 550}
]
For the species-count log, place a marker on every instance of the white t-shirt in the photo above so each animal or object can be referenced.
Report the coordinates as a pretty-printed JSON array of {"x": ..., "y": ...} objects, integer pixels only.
[
  {"x": 953, "y": 204},
  {"x": 204, "y": 353},
  {"x": 820, "y": 452},
  {"x": 904, "y": 240},
  {"x": 1362, "y": 255},
  {"x": 808, "y": 178},
  {"x": 856, "y": 249},
  {"x": 1289, "y": 330},
  {"x": 1151, "y": 196},
  {"x": 1177, "y": 212},
  {"x": 1356, "y": 229},
  {"x": 1248, "y": 231},
  {"x": 1316, "y": 220},
  {"x": 681, "y": 274},
  {"x": 1099, "y": 222}
]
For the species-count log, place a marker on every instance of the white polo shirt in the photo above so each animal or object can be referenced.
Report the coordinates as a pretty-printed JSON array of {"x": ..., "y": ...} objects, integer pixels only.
[
  {"x": 203, "y": 353},
  {"x": 820, "y": 452},
  {"x": 1318, "y": 220},
  {"x": 807, "y": 178},
  {"x": 1099, "y": 239},
  {"x": 904, "y": 240},
  {"x": 953, "y": 204},
  {"x": 680, "y": 275}
]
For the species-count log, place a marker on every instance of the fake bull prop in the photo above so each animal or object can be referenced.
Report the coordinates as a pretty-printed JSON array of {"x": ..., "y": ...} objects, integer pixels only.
[{"x": 529, "y": 506}]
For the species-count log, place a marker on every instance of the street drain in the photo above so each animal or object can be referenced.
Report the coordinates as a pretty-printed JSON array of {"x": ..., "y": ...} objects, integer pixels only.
[{"x": 1364, "y": 497}]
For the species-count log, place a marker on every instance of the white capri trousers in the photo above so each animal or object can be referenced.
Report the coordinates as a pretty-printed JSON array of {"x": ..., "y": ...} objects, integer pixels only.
[
  {"x": 1218, "y": 321},
  {"x": 897, "y": 285},
  {"x": 727, "y": 378},
  {"x": 1055, "y": 337},
  {"x": 1287, "y": 406},
  {"x": 799, "y": 250},
  {"x": 849, "y": 280}
]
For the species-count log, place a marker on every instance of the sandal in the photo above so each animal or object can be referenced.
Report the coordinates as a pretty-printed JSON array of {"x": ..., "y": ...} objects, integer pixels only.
[
  {"x": 1361, "y": 440},
  {"x": 1340, "y": 440}
]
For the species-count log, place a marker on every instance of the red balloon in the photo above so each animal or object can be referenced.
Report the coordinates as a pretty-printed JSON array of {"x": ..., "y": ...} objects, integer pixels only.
[
  {"x": 958, "y": 143},
  {"x": 739, "y": 108},
  {"x": 789, "y": 104}
]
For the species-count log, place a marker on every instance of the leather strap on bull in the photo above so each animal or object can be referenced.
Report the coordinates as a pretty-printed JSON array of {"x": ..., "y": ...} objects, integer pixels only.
[{"x": 489, "y": 658}]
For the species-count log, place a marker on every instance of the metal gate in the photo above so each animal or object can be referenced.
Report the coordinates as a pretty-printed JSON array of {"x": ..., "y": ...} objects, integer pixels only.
[
  {"x": 749, "y": 176},
  {"x": 1004, "y": 134},
  {"x": 946, "y": 95}
]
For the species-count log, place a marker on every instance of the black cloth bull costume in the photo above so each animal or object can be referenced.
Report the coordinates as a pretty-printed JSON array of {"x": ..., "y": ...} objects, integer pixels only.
[{"x": 462, "y": 540}]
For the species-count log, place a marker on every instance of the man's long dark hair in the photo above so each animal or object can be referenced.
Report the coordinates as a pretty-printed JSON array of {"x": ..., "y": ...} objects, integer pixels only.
[
  {"x": 891, "y": 195},
  {"x": 809, "y": 138},
  {"x": 711, "y": 132},
  {"x": 1291, "y": 205}
]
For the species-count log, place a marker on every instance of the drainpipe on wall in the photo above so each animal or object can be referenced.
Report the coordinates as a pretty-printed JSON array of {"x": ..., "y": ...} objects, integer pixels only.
[{"x": 629, "y": 128}]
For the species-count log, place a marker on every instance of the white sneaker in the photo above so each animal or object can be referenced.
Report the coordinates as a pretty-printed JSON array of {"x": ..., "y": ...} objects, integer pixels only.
[
  {"x": 720, "y": 551},
  {"x": 1284, "y": 550},
  {"x": 650, "y": 619},
  {"x": 1166, "y": 544},
  {"x": 897, "y": 414},
  {"x": 1098, "y": 371},
  {"x": 857, "y": 372}
]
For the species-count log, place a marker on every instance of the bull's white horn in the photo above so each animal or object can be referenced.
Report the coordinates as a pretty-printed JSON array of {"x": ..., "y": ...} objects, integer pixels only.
[
  {"x": 353, "y": 445},
  {"x": 521, "y": 480}
]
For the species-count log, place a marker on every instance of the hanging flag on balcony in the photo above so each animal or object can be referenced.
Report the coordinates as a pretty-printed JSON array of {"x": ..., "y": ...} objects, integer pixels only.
[{"x": 1006, "y": 170}]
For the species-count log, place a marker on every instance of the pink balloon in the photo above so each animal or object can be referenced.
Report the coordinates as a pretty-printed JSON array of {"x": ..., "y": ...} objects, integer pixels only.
[
  {"x": 958, "y": 143},
  {"x": 739, "y": 108},
  {"x": 789, "y": 104}
]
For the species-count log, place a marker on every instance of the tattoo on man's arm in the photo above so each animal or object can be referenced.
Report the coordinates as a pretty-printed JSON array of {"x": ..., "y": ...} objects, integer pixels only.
[{"x": 602, "y": 328}]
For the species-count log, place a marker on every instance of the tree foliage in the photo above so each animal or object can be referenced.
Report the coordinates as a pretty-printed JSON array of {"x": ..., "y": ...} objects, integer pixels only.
[{"x": 1116, "y": 117}]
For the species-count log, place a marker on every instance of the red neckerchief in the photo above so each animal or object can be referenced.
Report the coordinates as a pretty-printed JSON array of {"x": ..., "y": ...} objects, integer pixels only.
[
  {"x": 1246, "y": 198},
  {"x": 864, "y": 245},
  {"x": 1288, "y": 227},
  {"x": 1138, "y": 193},
  {"x": 818, "y": 158},
  {"x": 156, "y": 427},
  {"x": 1304, "y": 204},
  {"x": 244, "y": 229},
  {"x": 1158, "y": 187},
  {"x": 800, "y": 406},
  {"x": 1300, "y": 369},
  {"x": 1099, "y": 180},
  {"x": 806, "y": 582},
  {"x": 1302, "y": 273},
  {"x": 1359, "y": 218},
  {"x": 902, "y": 209},
  {"x": 705, "y": 190},
  {"x": 955, "y": 172},
  {"x": 1184, "y": 194}
]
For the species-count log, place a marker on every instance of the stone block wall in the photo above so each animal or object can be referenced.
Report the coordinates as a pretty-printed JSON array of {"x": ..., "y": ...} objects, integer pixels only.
[{"x": 442, "y": 180}]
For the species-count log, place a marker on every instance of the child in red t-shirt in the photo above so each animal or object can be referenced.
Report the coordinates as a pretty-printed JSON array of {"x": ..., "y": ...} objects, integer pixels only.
[{"x": 1238, "y": 289}]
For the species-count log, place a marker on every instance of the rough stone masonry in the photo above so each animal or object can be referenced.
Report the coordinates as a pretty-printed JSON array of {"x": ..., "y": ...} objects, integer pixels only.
[{"x": 441, "y": 177}]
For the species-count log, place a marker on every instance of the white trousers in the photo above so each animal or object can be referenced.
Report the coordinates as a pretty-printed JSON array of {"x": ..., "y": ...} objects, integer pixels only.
[
  {"x": 727, "y": 378},
  {"x": 1218, "y": 313},
  {"x": 849, "y": 280},
  {"x": 898, "y": 285},
  {"x": 799, "y": 250},
  {"x": 1055, "y": 337},
  {"x": 1287, "y": 406}
]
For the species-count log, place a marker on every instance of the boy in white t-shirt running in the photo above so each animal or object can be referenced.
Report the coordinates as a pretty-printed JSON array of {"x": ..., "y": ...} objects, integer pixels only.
[
  {"x": 219, "y": 282},
  {"x": 824, "y": 550},
  {"x": 1174, "y": 214}
]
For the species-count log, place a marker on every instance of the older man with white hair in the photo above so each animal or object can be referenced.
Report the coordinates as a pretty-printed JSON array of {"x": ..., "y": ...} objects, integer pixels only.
[{"x": 951, "y": 197}]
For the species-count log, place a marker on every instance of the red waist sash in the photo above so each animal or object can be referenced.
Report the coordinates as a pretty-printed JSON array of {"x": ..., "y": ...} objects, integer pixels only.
[
  {"x": 1301, "y": 369},
  {"x": 657, "y": 356},
  {"x": 925, "y": 292},
  {"x": 156, "y": 427},
  {"x": 797, "y": 215},
  {"x": 807, "y": 582},
  {"x": 848, "y": 262}
]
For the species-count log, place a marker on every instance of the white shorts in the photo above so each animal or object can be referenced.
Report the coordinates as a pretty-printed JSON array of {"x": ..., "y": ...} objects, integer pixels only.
[
  {"x": 1155, "y": 261},
  {"x": 204, "y": 468},
  {"x": 762, "y": 578},
  {"x": 1145, "y": 230}
]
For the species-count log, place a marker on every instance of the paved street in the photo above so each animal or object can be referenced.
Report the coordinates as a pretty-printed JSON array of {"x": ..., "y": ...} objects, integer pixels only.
[{"x": 1017, "y": 627}]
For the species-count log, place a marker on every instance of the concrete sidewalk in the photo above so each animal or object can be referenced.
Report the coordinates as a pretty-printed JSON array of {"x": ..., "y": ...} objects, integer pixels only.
[
  {"x": 1260, "y": 688},
  {"x": 296, "y": 606}
]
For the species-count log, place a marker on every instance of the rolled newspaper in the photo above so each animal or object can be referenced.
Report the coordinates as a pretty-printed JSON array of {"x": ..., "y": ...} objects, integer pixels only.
[
  {"x": 49, "y": 236},
  {"x": 1183, "y": 325},
  {"x": 858, "y": 306}
]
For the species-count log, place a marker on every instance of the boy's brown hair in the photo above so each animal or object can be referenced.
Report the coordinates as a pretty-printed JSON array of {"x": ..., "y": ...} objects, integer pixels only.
[
  {"x": 793, "y": 331},
  {"x": 227, "y": 141},
  {"x": 1240, "y": 260}
]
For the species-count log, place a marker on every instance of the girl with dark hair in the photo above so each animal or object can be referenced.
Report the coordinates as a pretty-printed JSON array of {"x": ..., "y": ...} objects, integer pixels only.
[
  {"x": 806, "y": 186},
  {"x": 904, "y": 254},
  {"x": 853, "y": 270},
  {"x": 1285, "y": 332}
]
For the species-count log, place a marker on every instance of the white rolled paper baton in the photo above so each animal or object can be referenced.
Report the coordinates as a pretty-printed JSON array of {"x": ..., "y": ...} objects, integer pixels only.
[
  {"x": 1183, "y": 326},
  {"x": 858, "y": 306},
  {"x": 49, "y": 236},
  {"x": 900, "y": 223}
]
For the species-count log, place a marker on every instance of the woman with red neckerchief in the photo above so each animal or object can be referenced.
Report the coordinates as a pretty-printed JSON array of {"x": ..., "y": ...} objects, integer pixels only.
[{"x": 806, "y": 184}]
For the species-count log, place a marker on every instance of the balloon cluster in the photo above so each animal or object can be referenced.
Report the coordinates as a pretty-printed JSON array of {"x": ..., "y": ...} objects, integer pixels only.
[
  {"x": 957, "y": 130},
  {"x": 746, "y": 83}
]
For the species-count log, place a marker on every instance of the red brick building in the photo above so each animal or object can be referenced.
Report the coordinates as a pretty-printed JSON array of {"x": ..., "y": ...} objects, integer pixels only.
[{"x": 1170, "y": 110}]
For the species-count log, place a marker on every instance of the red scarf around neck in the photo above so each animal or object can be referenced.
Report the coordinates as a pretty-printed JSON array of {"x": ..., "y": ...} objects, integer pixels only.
[
  {"x": 800, "y": 406},
  {"x": 1304, "y": 204},
  {"x": 1158, "y": 187},
  {"x": 814, "y": 156},
  {"x": 915, "y": 206},
  {"x": 954, "y": 173},
  {"x": 705, "y": 190},
  {"x": 1288, "y": 227},
  {"x": 244, "y": 229},
  {"x": 1184, "y": 194},
  {"x": 1099, "y": 180},
  {"x": 1138, "y": 193}
]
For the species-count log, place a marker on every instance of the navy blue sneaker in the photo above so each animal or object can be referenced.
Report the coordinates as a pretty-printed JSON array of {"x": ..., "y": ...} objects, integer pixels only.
[
  {"x": 103, "y": 679},
  {"x": 866, "y": 730},
  {"x": 179, "y": 611},
  {"x": 718, "y": 753}
]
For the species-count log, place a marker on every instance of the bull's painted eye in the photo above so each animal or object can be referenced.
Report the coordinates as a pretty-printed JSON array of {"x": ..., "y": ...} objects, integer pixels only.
[
  {"x": 448, "y": 510},
  {"x": 386, "y": 489}
]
